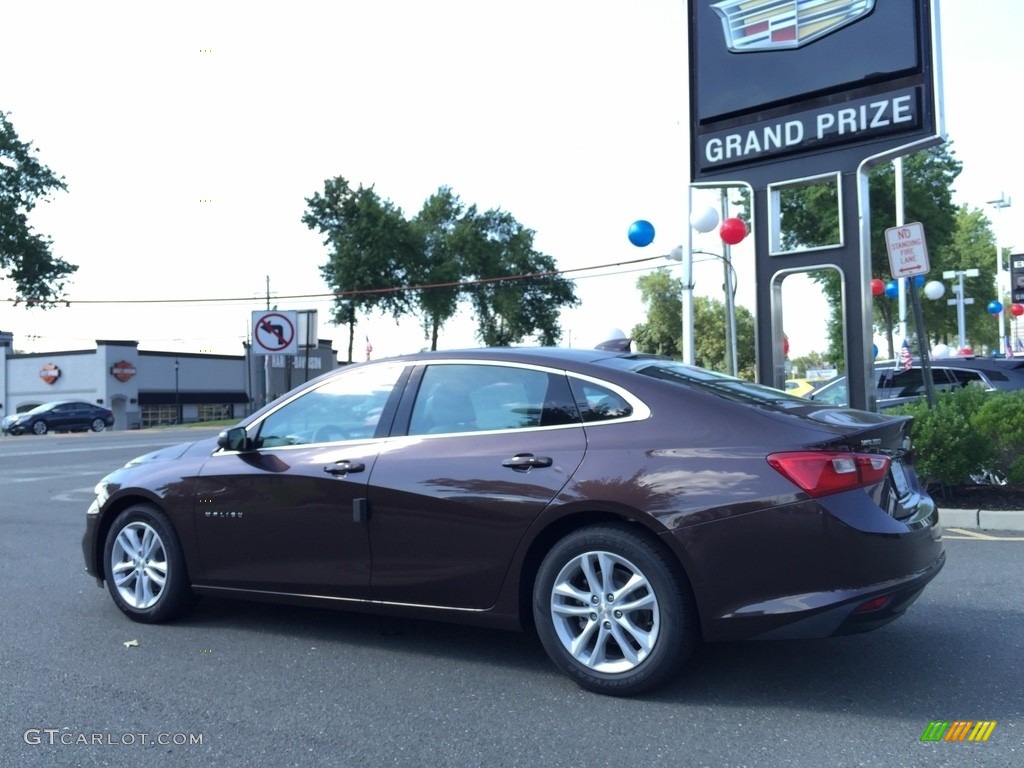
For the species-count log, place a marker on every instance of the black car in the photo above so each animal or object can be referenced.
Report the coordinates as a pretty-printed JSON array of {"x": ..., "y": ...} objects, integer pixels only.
[
  {"x": 623, "y": 506},
  {"x": 896, "y": 385},
  {"x": 61, "y": 416}
]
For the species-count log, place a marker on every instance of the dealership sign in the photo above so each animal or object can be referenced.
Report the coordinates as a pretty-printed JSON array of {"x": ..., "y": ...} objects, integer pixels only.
[
  {"x": 750, "y": 25},
  {"x": 122, "y": 370},
  {"x": 49, "y": 373},
  {"x": 776, "y": 80}
]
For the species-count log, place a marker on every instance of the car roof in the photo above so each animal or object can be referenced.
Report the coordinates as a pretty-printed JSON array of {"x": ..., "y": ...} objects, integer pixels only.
[{"x": 541, "y": 355}]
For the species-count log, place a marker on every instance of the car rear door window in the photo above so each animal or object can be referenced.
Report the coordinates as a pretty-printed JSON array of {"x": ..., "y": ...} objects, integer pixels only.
[{"x": 468, "y": 397}]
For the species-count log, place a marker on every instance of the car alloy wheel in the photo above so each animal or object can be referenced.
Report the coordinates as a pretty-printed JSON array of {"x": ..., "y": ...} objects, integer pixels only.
[
  {"x": 98, "y": 425},
  {"x": 39, "y": 427},
  {"x": 145, "y": 569},
  {"x": 612, "y": 610}
]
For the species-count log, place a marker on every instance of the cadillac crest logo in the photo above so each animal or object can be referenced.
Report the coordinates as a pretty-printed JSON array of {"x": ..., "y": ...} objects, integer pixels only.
[{"x": 773, "y": 25}]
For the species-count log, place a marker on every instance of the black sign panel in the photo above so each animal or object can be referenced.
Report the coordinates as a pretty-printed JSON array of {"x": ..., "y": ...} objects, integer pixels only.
[
  {"x": 1017, "y": 278},
  {"x": 775, "y": 79}
]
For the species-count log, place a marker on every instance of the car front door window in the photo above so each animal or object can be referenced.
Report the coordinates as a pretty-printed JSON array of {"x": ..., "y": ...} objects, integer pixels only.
[{"x": 347, "y": 407}]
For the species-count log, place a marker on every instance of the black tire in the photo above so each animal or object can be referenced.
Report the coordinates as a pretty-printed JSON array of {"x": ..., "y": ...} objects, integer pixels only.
[
  {"x": 98, "y": 425},
  {"x": 39, "y": 428},
  {"x": 144, "y": 566},
  {"x": 628, "y": 649}
]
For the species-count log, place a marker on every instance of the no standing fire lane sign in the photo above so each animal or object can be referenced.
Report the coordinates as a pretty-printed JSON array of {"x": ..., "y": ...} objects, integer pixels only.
[{"x": 908, "y": 252}]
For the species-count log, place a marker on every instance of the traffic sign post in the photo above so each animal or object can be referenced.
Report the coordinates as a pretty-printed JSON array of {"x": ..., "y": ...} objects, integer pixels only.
[
  {"x": 274, "y": 333},
  {"x": 908, "y": 257},
  {"x": 908, "y": 252}
]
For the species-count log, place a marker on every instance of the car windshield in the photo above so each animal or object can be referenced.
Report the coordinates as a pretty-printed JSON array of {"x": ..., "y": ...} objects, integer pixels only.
[{"x": 42, "y": 408}]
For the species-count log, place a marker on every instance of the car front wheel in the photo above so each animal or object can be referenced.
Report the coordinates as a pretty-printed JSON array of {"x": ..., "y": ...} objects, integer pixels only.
[
  {"x": 613, "y": 611},
  {"x": 39, "y": 428},
  {"x": 145, "y": 568},
  {"x": 98, "y": 425}
]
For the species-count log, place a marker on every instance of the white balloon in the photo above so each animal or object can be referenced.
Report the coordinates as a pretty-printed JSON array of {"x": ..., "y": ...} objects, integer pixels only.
[
  {"x": 704, "y": 221},
  {"x": 940, "y": 351},
  {"x": 933, "y": 289}
]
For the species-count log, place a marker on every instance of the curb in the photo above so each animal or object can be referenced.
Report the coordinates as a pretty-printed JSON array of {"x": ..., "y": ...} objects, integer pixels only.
[{"x": 982, "y": 519}]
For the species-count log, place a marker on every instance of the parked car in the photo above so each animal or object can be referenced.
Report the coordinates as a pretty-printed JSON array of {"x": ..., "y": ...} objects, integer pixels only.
[
  {"x": 897, "y": 386},
  {"x": 801, "y": 387},
  {"x": 623, "y": 506},
  {"x": 61, "y": 416}
]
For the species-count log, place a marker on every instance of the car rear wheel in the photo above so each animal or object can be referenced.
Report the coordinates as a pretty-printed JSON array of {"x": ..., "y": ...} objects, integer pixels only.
[
  {"x": 39, "y": 427},
  {"x": 98, "y": 425},
  {"x": 145, "y": 568},
  {"x": 613, "y": 611}
]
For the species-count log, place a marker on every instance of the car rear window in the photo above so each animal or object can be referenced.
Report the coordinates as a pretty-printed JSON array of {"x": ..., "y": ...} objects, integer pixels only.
[{"x": 718, "y": 384}]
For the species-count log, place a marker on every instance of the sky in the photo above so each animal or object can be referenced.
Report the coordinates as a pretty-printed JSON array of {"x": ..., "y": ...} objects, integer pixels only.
[{"x": 191, "y": 133}]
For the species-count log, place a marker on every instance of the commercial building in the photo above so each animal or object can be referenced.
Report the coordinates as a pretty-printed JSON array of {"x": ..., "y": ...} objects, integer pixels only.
[{"x": 146, "y": 388}]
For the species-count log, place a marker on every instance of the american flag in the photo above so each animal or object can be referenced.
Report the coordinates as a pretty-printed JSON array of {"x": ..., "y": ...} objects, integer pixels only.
[
  {"x": 906, "y": 360},
  {"x": 369, "y": 348}
]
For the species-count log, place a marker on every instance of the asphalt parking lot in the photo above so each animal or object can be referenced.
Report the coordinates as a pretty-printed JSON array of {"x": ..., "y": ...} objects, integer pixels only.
[{"x": 248, "y": 684}]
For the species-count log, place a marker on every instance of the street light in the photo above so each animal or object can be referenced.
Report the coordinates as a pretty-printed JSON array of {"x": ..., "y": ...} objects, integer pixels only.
[
  {"x": 177, "y": 400},
  {"x": 1002, "y": 202},
  {"x": 960, "y": 300},
  {"x": 730, "y": 287}
]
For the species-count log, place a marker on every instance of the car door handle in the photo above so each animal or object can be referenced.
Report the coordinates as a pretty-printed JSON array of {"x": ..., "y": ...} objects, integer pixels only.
[
  {"x": 344, "y": 467},
  {"x": 525, "y": 461}
]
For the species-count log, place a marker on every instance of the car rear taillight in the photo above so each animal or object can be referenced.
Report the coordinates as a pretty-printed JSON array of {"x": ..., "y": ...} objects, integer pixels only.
[{"x": 819, "y": 473}]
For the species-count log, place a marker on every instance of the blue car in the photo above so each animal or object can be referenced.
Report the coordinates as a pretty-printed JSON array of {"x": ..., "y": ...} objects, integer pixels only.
[{"x": 61, "y": 416}]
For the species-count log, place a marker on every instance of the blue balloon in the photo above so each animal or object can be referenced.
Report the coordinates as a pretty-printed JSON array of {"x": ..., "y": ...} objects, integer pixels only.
[
  {"x": 641, "y": 233},
  {"x": 995, "y": 307},
  {"x": 874, "y": 347},
  {"x": 892, "y": 289},
  {"x": 918, "y": 280}
]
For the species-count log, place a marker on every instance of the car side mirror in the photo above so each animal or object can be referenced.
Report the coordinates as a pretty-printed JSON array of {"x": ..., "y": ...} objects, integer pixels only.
[{"x": 234, "y": 439}]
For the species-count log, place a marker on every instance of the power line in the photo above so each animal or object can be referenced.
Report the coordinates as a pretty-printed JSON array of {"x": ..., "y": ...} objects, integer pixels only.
[{"x": 364, "y": 292}]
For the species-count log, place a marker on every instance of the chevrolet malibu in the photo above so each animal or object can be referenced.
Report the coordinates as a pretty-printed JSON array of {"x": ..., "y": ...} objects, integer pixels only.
[{"x": 622, "y": 506}]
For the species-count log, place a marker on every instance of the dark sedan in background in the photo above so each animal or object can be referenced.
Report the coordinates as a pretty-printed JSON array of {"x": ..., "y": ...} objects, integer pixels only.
[
  {"x": 62, "y": 416},
  {"x": 622, "y": 506},
  {"x": 896, "y": 385}
]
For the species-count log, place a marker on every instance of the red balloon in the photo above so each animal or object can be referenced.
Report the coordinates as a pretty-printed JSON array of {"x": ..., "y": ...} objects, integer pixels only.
[
  {"x": 1017, "y": 310},
  {"x": 785, "y": 345},
  {"x": 877, "y": 287},
  {"x": 732, "y": 230}
]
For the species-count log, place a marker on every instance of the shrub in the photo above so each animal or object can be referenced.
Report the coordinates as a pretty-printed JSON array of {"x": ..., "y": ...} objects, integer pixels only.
[
  {"x": 1000, "y": 421},
  {"x": 948, "y": 448}
]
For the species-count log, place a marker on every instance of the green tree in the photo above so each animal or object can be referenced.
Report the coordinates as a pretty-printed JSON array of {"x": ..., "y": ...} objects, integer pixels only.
[
  {"x": 810, "y": 216},
  {"x": 662, "y": 332},
  {"x": 709, "y": 337},
  {"x": 498, "y": 252},
  {"x": 971, "y": 247},
  {"x": 441, "y": 230},
  {"x": 39, "y": 276},
  {"x": 370, "y": 244}
]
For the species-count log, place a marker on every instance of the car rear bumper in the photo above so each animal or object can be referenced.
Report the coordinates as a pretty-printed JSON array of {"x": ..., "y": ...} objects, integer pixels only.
[
  {"x": 809, "y": 569},
  {"x": 828, "y": 614}
]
